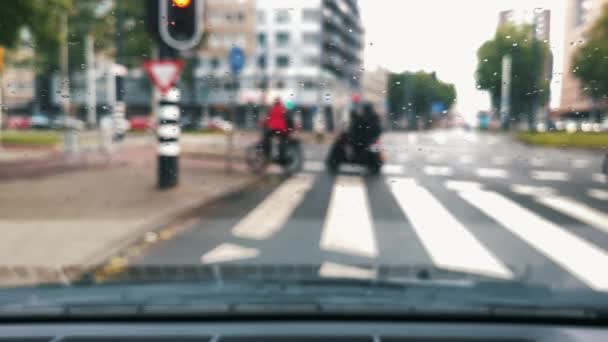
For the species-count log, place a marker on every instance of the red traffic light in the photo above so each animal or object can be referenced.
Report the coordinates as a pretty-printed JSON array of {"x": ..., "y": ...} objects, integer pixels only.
[{"x": 182, "y": 3}]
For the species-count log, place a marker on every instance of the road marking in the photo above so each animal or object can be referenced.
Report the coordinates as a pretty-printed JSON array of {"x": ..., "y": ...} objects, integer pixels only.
[
  {"x": 438, "y": 170},
  {"x": 599, "y": 194},
  {"x": 492, "y": 173},
  {"x": 500, "y": 160},
  {"x": 573, "y": 253},
  {"x": 335, "y": 270},
  {"x": 392, "y": 169},
  {"x": 600, "y": 178},
  {"x": 228, "y": 252},
  {"x": 580, "y": 163},
  {"x": 412, "y": 138},
  {"x": 550, "y": 175},
  {"x": 465, "y": 159},
  {"x": 462, "y": 185},
  {"x": 348, "y": 226},
  {"x": 580, "y": 211},
  {"x": 448, "y": 242},
  {"x": 537, "y": 162},
  {"x": 533, "y": 190},
  {"x": 274, "y": 211},
  {"x": 313, "y": 166}
]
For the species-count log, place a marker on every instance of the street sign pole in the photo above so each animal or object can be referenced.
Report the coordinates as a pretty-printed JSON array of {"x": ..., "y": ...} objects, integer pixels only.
[
  {"x": 236, "y": 60},
  {"x": 168, "y": 130}
]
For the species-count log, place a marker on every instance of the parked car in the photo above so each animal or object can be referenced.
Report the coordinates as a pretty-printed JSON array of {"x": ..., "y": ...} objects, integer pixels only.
[
  {"x": 18, "y": 122},
  {"x": 218, "y": 124},
  {"x": 140, "y": 123},
  {"x": 41, "y": 121}
]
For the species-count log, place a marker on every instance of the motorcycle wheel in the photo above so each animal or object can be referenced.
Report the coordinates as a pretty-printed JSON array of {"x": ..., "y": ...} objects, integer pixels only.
[{"x": 295, "y": 159}]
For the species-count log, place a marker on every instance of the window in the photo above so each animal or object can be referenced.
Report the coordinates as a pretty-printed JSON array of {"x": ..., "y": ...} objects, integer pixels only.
[
  {"x": 310, "y": 38},
  {"x": 240, "y": 17},
  {"x": 310, "y": 15},
  {"x": 282, "y": 38},
  {"x": 261, "y": 17},
  {"x": 282, "y": 61},
  {"x": 262, "y": 61},
  {"x": 215, "y": 63},
  {"x": 281, "y": 16},
  {"x": 262, "y": 39}
]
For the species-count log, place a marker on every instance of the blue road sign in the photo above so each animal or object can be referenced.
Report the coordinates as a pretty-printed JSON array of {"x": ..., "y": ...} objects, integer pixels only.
[{"x": 236, "y": 59}]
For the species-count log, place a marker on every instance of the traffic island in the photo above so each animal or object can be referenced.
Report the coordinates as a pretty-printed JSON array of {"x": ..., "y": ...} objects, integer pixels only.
[{"x": 587, "y": 140}]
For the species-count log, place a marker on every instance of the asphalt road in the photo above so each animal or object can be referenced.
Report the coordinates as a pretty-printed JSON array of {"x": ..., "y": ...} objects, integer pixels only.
[{"x": 459, "y": 200}]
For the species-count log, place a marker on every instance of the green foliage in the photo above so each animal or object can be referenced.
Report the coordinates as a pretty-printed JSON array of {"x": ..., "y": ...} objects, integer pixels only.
[
  {"x": 30, "y": 138},
  {"x": 563, "y": 139},
  {"x": 590, "y": 63},
  {"x": 14, "y": 15},
  {"x": 413, "y": 93},
  {"x": 529, "y": 88}
]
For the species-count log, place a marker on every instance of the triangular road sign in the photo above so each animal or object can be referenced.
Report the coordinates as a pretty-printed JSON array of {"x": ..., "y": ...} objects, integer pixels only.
[{"x": 164, "y": 73}]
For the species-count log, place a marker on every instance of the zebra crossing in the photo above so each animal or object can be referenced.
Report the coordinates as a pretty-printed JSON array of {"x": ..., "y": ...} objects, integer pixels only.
[{"x": 350, "y": 227}]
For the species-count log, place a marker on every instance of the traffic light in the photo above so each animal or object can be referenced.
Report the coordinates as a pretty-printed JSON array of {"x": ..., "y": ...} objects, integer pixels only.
[{"x": 180, "y": 23}]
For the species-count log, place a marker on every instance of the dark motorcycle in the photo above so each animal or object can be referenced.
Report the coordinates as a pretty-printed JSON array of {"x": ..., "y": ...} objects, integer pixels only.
[
  {"x": 344, "y": 152},
  {"x": 258, "y": 162}
]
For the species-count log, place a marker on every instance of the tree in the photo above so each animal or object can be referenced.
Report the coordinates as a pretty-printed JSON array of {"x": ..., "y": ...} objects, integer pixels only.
[
  {"x": 14, "y": 15},
  {"x": 590, "y": 62},
  {"x": 411, "y": 95},
  {"x": 529, "y": 87}
]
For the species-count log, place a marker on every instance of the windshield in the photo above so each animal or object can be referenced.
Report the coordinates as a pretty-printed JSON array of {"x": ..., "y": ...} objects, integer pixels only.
[{"x": 459, "y": 149}]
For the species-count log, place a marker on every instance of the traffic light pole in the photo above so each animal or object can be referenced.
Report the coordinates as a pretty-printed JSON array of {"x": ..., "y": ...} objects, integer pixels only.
[{"x": 168, "y": 130}]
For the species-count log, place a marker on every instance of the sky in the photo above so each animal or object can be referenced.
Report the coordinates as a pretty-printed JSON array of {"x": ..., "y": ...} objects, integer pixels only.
[{"x": 443, "y": 36}]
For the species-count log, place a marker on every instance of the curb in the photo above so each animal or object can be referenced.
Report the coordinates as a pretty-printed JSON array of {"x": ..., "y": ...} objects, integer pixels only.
[{"x": 118, "y": 248}]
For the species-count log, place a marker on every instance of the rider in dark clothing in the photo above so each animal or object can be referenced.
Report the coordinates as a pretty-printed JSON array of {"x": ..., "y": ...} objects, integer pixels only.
[{"x": 364, "y": 128}]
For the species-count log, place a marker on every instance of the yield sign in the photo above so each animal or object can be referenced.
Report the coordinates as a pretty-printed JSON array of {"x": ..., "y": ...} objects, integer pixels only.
[{"x": 164, "y": 72}]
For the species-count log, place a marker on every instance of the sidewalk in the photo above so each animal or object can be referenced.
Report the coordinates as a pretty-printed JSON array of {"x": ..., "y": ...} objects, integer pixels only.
[{"x": 81, "y": 217}]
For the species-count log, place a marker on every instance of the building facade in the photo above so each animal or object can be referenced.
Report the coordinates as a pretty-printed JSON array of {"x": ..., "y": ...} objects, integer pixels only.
[
  {"x": 307, "y": 52},
  {"x": 580, "y": 15}
]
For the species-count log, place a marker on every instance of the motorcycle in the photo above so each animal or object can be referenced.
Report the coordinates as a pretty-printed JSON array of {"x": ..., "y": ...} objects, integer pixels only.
[
  {"x": 258, "y": 162},
  {"x": 343, "y": 152}
]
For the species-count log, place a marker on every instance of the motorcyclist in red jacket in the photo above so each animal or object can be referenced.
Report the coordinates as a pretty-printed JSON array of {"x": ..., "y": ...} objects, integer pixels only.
[{"x": 276, "y": 125}]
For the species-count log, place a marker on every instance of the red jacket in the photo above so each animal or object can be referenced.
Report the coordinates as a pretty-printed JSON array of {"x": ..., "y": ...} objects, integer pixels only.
[{"x": 276, "y": 119}]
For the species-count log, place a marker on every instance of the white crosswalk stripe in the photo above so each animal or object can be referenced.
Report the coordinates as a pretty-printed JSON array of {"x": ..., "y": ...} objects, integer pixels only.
[
  {"x": 576, "y": 255},
  {"x": 432, "y": 170},
  {"x": 259, "y": 224},
  {"x": 550, "y": 175},
  {"x": 392, "y": 169},
  {"x": 492, "y": 173},
  {"x": 599, "y": 194},
  {"x": 600, "y": 178},
  {"x": 440, "y": 232},
  {"x": 580, "y": 211},
  {"x": 348, "y": 226}
]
